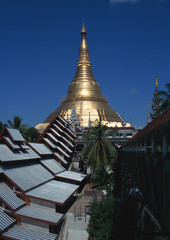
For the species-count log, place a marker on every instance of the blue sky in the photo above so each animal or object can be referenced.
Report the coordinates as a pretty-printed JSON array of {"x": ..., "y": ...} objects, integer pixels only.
[{"x": 129, "y": 43}]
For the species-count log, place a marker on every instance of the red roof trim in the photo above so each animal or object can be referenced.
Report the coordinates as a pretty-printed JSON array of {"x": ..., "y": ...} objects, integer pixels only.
[{"x": 162, "y": 119}]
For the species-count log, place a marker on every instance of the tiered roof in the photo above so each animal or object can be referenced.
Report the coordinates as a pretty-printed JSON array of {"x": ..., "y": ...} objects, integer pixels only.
[
  {"x": 58, "y": 138},
  {"x": 31, "y": 170}
]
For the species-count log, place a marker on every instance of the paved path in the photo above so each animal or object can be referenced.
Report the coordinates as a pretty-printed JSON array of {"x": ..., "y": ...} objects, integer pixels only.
[{"x": 77, "y": 221}]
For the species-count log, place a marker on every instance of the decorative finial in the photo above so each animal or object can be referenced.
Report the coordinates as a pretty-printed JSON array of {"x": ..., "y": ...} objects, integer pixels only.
[
  {"x": 156, "y": 81},
  {"x": 83, "y": 30},
  {"x": 73, "y": 99}
]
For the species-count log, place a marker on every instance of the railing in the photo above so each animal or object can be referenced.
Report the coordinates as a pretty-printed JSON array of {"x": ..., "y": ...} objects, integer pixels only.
[{"x": 146, "y": 158}]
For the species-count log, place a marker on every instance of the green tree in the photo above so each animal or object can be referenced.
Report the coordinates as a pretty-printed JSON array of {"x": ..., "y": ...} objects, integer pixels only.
[
  {"x": 30, "y": 134},
  {"x": 17, "y": 120},
  {"x": 98, "y": 150},
  {"x": 102, "y": 178},
  {"x": 165, "y": 97},
  {"x": 156, "y": 104},
  {"x": 101, "y": 219}
]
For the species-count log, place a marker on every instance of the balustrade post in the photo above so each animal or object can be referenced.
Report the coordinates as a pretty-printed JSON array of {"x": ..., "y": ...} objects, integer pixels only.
[
  {"x": 145, "y": 146},
  {"x": 152, "y": 145},
  {"x": 164, "y": 145},
  {"x": 140, "y": 146}
]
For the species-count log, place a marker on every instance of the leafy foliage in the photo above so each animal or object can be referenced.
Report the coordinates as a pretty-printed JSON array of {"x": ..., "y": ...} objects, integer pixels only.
[
  {"x": 98, "y": 149},
  {"x": 165, "y": 96},
  {"x": 17, "y": 120},
  {"x": 101, "y": 219},
  {"x": 30, "y": 134},
  {"x": 102, "y": 178},
  {"x": 161, "y": 101}
]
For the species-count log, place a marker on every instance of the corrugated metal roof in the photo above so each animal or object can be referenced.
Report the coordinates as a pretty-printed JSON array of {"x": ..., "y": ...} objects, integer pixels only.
[
  {"x": 5, "y": 220},
  {"x": 55, "y": 132},
  {"x": 53, "y": 138},
  {"x": 62, "y": 130},
  {"x": 52, "y": 165},
  {"x": 57, "y": 127},
  {"x": 71, "y": 132},
  {"x": 9, "y": 198},
  {"x": 71, "y": 175},
  {"x": 58, "y": 142},
  {"x": 65, "y": 139},
  {"x": 60, "y": 158},
  {"x": 50, "y": 143},
  {"x": 54, "y": 191},
  {"x": 63, "y": 120},
  {"x": 40, "y": 214},
  {"x": 27, "y": 176},
  {"x": 40, "y": 148},
  {"x": 23, "y": 233},
  {"x": 11, "y": 144},
  {"x": 60, "y": 124},
  {"x": 23, "y": 146},
  {"x": 68, "y": 149},
  {"x": 7, "y": 155},
  {"x": 1, "y": 170},
  {"x": 62, "y": 151},
  {"x": 16, "y": 135},
  {"x": 66, "y": 134}
]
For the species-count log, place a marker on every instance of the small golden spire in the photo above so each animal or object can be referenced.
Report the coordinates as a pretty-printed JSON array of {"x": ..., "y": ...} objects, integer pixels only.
[
  {"x": 156, "y": 81},
  {"x": 83, "y": 30},
  {"x": 73, "y": 99}
]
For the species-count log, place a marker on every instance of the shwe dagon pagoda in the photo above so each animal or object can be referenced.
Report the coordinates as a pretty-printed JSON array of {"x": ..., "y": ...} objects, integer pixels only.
[{"x": 84, "y": 96}]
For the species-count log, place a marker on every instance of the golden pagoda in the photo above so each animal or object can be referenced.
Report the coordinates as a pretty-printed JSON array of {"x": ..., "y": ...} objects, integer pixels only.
[{"x": 85, "y": 94}]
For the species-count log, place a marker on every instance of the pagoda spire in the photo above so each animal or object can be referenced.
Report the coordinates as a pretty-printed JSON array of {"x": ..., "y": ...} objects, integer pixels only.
[
  {"x": 84, "y": 58},
  {"x": 156, "y": 102},
  {"x": 156, "y": 81},
  {"x": 84, "y": 93}
]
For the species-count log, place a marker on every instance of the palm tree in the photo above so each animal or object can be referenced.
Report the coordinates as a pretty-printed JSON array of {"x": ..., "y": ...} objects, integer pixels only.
[
  {"x": 98, "y": 150},
  {"x": 17, "y": 120},
  {"x": 102, "y": 178},
  {"x": 165, "y": 96}
]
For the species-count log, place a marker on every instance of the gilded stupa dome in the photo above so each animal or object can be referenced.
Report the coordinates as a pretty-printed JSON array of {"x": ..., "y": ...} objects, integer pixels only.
[{"x": 85, "y": 94}]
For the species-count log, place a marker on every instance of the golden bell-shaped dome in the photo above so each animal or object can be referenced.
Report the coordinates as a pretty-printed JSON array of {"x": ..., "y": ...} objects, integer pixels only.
[{"x": 85, "y": 92}]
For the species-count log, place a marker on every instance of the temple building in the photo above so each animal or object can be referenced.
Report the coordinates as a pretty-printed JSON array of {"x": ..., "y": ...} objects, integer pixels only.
[{"x": 84, "y": 97}]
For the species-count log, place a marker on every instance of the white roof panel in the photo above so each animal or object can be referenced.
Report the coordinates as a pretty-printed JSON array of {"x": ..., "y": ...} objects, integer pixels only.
[
  {"x": 55, "y": 132},
  {"x": 27, "y": 176},
  {"x": 40, "y": 214},
  {"x": 54, "y": 191},
  {"x": 12, "y": 144},
  {"x": 52, "y": 165},
  {"x": 7, "y": 155},
  {"x": 5, "y": 220},
  {"x": 72, "y": 176},
  {"x": 16, "y": 135},
  {"x": 50, "y": 143},
  {"x": 62, "y": 151},
  {"x": 60, "y": 158},
  {"x": 24, "y": 233},
  {"x": 41, "y": 148},
  {"x": 52, "y": 137},
  {"x": 9, "y": 197}
]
